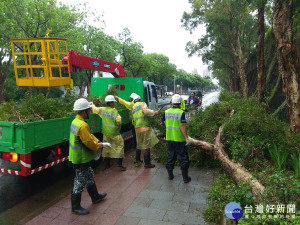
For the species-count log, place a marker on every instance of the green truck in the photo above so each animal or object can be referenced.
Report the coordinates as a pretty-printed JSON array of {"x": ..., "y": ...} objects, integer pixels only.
[{"x": 27, "y": 148}]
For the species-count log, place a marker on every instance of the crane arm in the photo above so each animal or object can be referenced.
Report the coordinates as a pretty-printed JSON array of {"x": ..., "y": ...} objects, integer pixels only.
[{"x": 79, "y": 61}]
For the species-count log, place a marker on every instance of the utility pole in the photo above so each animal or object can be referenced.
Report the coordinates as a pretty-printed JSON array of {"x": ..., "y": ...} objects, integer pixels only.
[
  {"x": 181, "y": 89},
  {"x": 174, "y": 86}
]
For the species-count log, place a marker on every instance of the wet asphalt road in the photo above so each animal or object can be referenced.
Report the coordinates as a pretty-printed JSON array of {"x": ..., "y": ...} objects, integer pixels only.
[
  {"x": 210, "y": 98},
  {"x": 23, "y": 196},
  {"x": 34, "y": 192}
]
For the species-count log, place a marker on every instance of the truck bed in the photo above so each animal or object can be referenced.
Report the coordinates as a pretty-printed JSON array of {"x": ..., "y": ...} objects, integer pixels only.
[{"x": 24, "y": 138}]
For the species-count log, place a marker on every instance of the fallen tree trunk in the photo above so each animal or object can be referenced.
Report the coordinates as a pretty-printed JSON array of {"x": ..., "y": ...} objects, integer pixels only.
[{"x": 235, "y": 170}]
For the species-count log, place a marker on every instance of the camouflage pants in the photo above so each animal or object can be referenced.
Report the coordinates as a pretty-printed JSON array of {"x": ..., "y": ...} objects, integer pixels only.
[{"x": 84, "y": 177}]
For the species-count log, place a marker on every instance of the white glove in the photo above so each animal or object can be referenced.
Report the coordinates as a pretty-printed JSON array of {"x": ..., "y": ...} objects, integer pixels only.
[
  {"x": 97, "y": 154},
  {"x": 188, "y": 141},
  {"x": 106, "y": 145}
]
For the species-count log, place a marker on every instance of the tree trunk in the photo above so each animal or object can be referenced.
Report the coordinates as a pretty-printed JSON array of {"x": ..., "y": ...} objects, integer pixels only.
[
  {"x": 241, "y": 68},
  {"x": 82, "y": 88},
  {"x": 89, "y": 74},
  {"x": 88, "y": 88},
  {"x": 233, "y": 83},
  {"x": 47, "y": 92},
  {"x": 260, "y": 54},
  {"x": 29, "y": 91},
  {"x": 288, "y": 61},
  {"x": 237, "y": 53},
  {"x": 235, "y": 170},
  {"x": 3, "y": 76},
  {"x": 2, "y": 99}
]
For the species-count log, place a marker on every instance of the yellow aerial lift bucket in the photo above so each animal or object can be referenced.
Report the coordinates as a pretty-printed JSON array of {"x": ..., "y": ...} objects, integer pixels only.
[{"x": 38, "y": 62}]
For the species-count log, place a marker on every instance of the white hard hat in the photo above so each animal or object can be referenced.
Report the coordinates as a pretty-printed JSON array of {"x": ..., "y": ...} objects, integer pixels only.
[
  {"x": 176, "y": 99},
  {"x": 132, "y": 95},
  {"x": 136, "y": 97},
  {"x": 110, "y": 98},
  {"x": 81, "y": 104}
]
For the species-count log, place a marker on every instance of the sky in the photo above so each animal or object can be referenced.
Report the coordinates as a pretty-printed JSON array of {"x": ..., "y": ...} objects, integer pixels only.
[{"x": 154, "y": 23}]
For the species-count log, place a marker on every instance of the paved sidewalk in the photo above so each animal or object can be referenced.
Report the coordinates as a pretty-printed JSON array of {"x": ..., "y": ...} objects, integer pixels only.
[{"x": 138, "y": 196}]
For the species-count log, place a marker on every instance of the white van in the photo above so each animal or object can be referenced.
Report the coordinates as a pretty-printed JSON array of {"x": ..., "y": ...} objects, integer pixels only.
[{"x": 150, "y": 95}]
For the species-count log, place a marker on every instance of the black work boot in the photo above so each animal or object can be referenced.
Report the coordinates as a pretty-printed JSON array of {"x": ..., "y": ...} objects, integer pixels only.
[
  {"x": 107, "y": 163},
  {"x": 120, "y": 164},
  {"x": 95, "y": 196},
  {"x": 147, "y": 160},
  {"x": 138, "y": 156},
  {"x": 76, "y": 207},
  {"x": 185, "y": 176},
  {"x": 171, "y": 175}
]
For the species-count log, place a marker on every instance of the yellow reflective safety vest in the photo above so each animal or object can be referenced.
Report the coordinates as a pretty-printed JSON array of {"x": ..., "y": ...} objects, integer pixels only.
[
  {"x": 109, "y": 125},
  {"x": 173, "y": 124},
  {"x": 78, "y": 153},
  {"x": 182, "y": 105},
  {"x": 140, "y": 120}
]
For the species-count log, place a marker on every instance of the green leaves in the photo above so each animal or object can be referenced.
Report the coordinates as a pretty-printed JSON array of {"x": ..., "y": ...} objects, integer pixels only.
[
  {"x": 295, "y": 162},
  {"x": 278, "y": 156},
  {"x": 37, "y": 108},
  {"x": 221, "y": 193}
]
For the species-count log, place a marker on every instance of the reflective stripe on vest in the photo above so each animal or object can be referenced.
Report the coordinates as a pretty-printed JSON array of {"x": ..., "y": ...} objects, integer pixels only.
[
  {"x": 138, "y": 116},
  {"x": 75, "y": 147},
  {"x": 109, "y": 125},
  {"x": 137, "y": 108},
  {"x": 173, "y": 128},
  {"x": 78, "y": 153},
  {"x": 173, "y": 125},
  {"x": 174, "y": 116}
]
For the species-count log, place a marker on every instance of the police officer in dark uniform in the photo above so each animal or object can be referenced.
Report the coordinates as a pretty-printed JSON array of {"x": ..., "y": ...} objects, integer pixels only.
[{"x": 176, "y": 135}]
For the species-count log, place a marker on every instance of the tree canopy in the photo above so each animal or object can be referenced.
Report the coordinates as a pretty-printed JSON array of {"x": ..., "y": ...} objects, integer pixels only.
[
  {"x": 251, "y": 48},
  {"x": 32, "y": 18}
]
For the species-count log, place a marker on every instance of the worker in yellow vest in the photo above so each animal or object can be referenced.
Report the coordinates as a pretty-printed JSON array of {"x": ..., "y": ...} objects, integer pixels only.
[
  {"x": 82, "y": 147},
  {"x": 182, "y": 105},
  {"x": 177, "y": 138},
  {"x": 129, "y": 106},
  {"x": 145, "y": 136},
  {"x": 111, "y": 125}
]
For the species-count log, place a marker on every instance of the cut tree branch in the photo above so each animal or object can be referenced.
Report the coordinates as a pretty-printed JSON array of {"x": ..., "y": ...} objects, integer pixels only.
[{"x": 235, "y": 170}]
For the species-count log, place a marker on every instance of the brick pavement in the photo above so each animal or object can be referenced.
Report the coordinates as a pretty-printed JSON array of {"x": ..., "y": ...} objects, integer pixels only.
[{"x": 137, "y": 196}]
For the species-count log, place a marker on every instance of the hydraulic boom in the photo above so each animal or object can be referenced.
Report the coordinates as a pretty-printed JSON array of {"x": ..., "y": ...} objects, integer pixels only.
[{"x": 79, "y": 61}]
